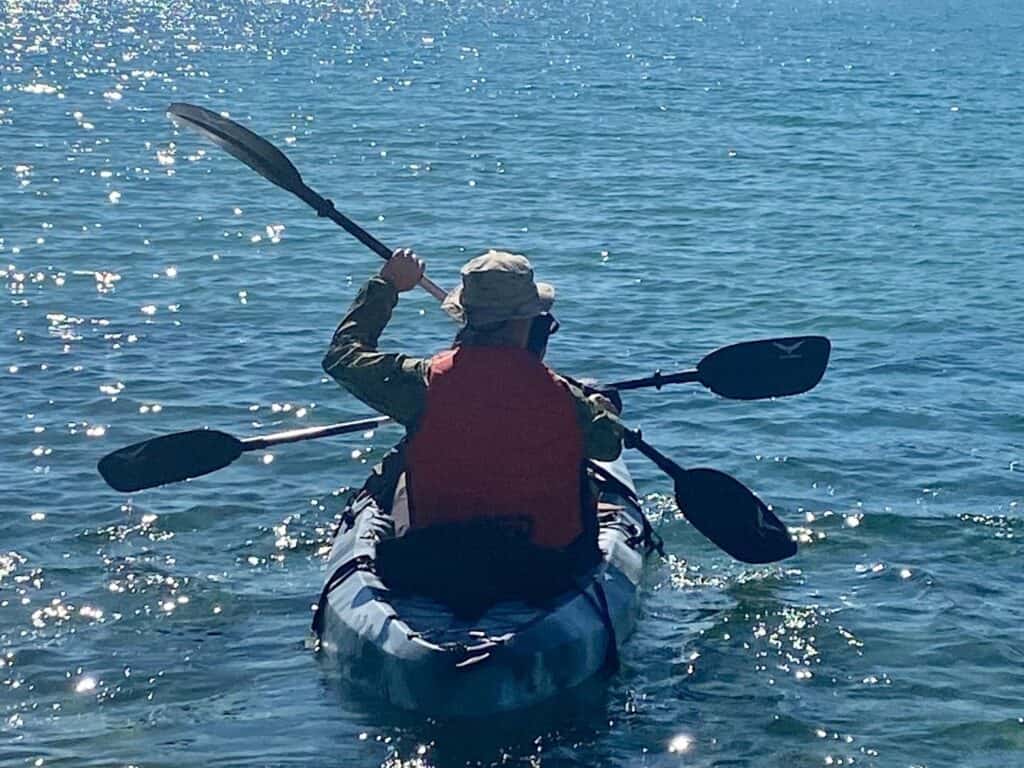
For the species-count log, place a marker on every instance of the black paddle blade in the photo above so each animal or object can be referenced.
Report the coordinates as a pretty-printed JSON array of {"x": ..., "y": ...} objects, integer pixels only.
[
  {"x": 168, "y": 459},
  {"x": 754, "y": 370},
  {"x": 724, "y": 510},
  {"x": 253, "y": 150}
]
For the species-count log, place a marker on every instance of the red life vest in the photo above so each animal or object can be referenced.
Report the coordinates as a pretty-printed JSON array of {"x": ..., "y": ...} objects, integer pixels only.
[{"x": 499, "y": 438}]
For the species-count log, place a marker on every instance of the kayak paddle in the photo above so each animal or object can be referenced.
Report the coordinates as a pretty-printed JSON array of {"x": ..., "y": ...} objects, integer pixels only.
[
  {"x": 718, "y": 505},
  {"x": 752, "y": 370},
  {"x": 723, "y": 509},
  {"x": 272, "y": 164},
  {"x": 748, "y": 370},
  {"x": 783, "y": 367},
  {"x": 184, "y": 455},
  {"x": 793, "y": 365}
]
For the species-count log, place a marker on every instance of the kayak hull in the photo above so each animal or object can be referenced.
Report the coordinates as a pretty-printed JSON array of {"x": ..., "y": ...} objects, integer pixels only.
[{"x": 419, "y": 656}]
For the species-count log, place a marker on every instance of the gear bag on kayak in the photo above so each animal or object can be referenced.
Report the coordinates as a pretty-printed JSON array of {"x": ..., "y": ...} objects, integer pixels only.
[{"x": 499, "y": 438}]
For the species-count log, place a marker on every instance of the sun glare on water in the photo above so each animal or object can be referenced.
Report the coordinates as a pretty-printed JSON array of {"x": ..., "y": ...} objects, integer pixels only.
[{"x": 680, "y": 743}]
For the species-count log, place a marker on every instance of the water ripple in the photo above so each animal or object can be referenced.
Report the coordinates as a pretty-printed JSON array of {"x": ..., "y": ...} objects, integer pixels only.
[{"x": 688, "y": 178}]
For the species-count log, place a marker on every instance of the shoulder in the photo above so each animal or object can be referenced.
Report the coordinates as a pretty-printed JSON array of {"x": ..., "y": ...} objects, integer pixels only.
[{"x": 569, "y": 384}]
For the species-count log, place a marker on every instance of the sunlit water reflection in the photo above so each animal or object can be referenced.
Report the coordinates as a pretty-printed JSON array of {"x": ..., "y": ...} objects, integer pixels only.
[{"x": 687, "y": 177}]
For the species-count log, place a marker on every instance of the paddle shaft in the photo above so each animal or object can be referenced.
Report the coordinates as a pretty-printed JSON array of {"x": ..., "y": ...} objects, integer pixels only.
[
  {"x": 632, "y": 438},
  {"x": 326, "y": 209},
  {"x": 311, "y": 433},
  {"x": 658, "y": 380}
]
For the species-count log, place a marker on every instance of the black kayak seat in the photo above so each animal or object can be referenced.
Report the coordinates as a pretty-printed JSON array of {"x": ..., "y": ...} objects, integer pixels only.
[{"x": 472, "y": 565}]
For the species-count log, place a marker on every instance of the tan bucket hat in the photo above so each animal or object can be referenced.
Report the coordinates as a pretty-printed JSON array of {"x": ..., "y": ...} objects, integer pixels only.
[{"x": 498, "y": 286}]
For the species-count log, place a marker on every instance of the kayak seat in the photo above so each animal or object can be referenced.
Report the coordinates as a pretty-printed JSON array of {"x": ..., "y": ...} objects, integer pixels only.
[{"x": 470, "y": 566}]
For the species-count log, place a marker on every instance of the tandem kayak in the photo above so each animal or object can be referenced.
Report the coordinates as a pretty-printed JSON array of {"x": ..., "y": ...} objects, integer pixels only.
[{"x": 420, "y": 656}]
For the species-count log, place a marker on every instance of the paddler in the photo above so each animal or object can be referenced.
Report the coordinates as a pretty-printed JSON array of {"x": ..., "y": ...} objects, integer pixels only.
[{"x": 494, "y": 434}]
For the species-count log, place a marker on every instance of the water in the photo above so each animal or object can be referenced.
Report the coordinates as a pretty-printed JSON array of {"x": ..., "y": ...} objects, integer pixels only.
[{"x": 688, "y": 175}]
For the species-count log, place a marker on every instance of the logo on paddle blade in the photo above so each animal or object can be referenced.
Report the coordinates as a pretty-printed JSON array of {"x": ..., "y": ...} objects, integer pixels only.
[{"x": 789, "y": 350}]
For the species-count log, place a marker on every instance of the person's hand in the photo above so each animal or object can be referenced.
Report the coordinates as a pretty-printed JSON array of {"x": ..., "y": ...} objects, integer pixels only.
[
  {"x": 607, "y": 397},
  {"x": 607, "y": 403},
  {"x": 403, "y": 270}
]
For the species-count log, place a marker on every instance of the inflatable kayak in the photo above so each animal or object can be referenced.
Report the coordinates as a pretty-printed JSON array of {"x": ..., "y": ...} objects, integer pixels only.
[{"x": 419, "y": 655}]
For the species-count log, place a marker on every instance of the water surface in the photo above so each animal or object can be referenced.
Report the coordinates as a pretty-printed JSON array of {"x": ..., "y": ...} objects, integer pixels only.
[{"x": 688, "y": 176}]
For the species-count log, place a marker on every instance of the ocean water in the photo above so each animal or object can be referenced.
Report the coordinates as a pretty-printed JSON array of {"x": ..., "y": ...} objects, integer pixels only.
[{"x": 688, "y": 174}]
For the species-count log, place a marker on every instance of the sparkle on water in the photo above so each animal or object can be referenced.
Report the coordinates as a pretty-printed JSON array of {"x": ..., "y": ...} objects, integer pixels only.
[{"x": 687, "y": 179}]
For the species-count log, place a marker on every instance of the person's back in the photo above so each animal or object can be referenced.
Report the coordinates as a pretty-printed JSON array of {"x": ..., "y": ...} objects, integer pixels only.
[
  {"x": 499, "y": 438},
  {"x": 494, "y": 434}
]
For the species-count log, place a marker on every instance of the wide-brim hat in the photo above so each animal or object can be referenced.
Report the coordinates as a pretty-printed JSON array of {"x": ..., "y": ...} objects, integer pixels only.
[{"x": 496, "y": 287}]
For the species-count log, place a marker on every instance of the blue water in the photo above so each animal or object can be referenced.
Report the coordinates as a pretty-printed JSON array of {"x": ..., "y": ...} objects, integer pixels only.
[{"x": 688, "y": 175}]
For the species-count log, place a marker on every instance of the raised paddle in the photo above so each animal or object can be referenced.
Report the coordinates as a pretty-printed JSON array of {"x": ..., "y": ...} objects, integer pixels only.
[
  {"x": 726, "y": 509},
  {"x": 748, "y": 371},
  {"x": 184, "y": 455},
  {"x": 270, "y": 163}
]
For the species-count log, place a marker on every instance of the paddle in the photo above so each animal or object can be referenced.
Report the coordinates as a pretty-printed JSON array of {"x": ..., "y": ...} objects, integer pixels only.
[
  {"x": 705, "y": 492},
  {"x": 748, "y": 370},
  {"x": 752, "y": 370},
  {"x": 270, "y": 163},
  {"x": 717, "y": 505},
  {"x": 184, "y": 455},
  {"x": 723, "y": 509}
]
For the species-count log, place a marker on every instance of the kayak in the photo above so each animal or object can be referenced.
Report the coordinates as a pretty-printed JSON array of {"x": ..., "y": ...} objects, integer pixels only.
[{"x": 420, "y": 656}]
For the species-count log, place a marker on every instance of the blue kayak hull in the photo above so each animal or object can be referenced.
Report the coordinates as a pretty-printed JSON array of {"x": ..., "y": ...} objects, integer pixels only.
[{"x": 417, "y": 655}]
